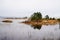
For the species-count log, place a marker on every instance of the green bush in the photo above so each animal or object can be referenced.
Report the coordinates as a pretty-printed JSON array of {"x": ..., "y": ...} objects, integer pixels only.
[{"x": 36, "y": 16}]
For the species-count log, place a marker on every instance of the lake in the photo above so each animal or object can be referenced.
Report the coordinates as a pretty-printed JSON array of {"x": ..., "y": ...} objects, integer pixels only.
[{"x": 21, "y": 31}]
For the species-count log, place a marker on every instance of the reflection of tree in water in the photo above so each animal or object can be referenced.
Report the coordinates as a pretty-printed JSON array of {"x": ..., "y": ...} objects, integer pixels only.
[
  {"x": 59, "y": 25},
  {"x": 59, "y": 22},
  {"x": 37, "y": 26}
]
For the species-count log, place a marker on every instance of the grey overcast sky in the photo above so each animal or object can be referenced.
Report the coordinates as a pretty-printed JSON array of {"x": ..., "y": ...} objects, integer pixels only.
[{"x": 21, "y": 8}]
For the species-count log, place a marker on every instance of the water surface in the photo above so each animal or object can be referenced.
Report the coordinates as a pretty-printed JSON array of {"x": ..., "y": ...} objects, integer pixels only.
[{"x": 20, "y": 31}]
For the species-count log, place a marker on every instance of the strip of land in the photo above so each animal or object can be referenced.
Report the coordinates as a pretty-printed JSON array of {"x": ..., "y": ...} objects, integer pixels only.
[{"x": 43, "y": 22}]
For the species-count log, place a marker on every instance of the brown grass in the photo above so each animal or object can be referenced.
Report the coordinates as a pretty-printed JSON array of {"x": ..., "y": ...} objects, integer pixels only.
[{"x": 43, "y": 22}]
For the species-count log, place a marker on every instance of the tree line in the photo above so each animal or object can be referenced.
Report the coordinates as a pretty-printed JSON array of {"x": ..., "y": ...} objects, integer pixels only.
[{"x": 38, "y": 16}]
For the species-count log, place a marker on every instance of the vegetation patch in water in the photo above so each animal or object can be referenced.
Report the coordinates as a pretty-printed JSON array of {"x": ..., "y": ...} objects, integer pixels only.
[{"x": 7, "y": 21}]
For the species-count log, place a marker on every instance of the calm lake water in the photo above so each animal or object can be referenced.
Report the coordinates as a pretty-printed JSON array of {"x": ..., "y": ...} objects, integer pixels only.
[{"x": 20, "y": 31}]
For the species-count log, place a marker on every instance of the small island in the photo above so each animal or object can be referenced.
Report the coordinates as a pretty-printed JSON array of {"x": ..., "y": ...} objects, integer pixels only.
[
  {"x": 7, "y": 21},
  {"x": 36, "y": 19}
]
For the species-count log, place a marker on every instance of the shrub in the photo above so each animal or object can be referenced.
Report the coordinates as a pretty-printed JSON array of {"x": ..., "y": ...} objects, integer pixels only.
[{"x": 36, "y": 16}]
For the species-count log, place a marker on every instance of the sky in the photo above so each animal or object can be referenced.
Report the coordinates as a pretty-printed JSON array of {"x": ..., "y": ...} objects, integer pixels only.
[{"x": 22, "y": 8}]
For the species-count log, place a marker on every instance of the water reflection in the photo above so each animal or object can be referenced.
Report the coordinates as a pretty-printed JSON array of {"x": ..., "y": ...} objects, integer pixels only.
[
  {"x": 36, "y": 26},
  {"x": 59, "y": 25},
  {"x": 20, "y": 31}
]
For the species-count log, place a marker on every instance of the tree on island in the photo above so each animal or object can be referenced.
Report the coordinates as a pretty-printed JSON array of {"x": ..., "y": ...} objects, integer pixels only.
[
  {"x": 52, "y": 18},
  {"x": 46, "y": 17},
  {"x": 36, "y": 16}
]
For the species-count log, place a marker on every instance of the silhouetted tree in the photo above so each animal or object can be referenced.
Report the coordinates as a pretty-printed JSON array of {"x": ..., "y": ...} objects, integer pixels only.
[
  {"x": 46, "y": 17},
  {"x": 52, "y": 18}
]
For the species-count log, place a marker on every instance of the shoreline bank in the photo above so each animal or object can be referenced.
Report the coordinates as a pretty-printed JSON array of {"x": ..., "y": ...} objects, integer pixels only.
[{"x": 43, "y": 22}]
